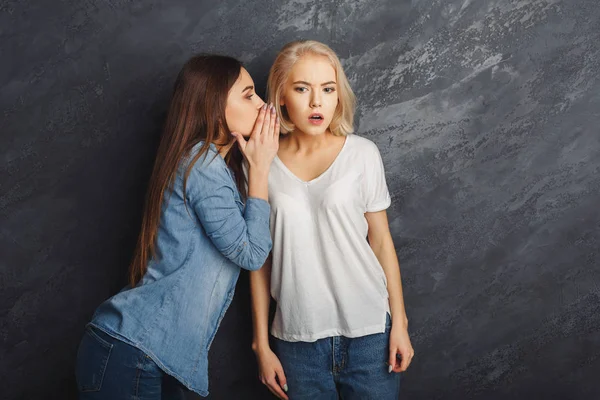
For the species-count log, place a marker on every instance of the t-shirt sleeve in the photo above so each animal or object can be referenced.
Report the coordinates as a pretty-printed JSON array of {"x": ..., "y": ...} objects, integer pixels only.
[{"x": 376, "y": 194}]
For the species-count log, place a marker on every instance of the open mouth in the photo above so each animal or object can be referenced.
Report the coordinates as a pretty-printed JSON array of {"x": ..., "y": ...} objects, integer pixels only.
[{"x": 316, "y": 118}]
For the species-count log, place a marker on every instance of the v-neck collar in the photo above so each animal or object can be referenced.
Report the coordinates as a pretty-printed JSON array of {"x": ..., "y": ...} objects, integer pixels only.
[{"x": 317, "y": 178}]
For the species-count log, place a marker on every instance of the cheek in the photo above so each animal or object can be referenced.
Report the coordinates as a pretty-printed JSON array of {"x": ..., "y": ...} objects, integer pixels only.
[
  {"x": 332, "y": 102},
  {"x": 293, "y": 107},
  {"x": 241, "y": 118},
  {"x": 250, "y": 119},
  {"x": 293, "y": 113}
]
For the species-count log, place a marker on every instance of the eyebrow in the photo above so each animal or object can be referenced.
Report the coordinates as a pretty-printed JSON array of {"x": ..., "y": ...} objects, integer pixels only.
[
  {"x": 308, "y": 84},
  {"x": 250, "y": 87}
]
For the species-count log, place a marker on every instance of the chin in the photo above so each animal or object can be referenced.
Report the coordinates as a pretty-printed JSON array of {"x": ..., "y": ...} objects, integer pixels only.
[
  {"x": 245, "y": 133},
  {"x": 314, "y": 130}
]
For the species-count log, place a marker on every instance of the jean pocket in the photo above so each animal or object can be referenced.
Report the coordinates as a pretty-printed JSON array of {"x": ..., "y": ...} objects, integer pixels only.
[{"x": 92, "y": 358}]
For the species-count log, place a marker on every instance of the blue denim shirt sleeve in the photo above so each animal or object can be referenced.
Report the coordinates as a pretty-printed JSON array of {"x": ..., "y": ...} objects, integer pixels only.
[{"x": 244, "y": 238}]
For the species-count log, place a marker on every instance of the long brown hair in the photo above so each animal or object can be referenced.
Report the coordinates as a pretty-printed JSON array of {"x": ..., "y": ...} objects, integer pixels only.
[{"x": 196, "y": 113}]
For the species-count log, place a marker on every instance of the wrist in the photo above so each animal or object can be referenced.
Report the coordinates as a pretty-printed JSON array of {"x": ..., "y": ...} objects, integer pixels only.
[
  {"x": 258, "y": 184},
  {"x": 400, "y": 323},
  {"x": 258, "y": 171},
  {"x": 260, "y": 347}
]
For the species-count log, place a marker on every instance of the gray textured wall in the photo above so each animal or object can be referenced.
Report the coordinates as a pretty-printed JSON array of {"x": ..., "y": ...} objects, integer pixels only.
[{"x": 486, "y": 114}]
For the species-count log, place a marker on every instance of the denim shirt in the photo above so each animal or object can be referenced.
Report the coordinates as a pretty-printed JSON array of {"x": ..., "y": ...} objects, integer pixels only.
[{"x": 174, "y": 312}]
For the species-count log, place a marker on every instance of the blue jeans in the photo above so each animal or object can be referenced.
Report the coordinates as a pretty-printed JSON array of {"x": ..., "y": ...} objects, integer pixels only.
[
  {"x": 339, "y": 368},
  {"x": 110, "y": 369}
]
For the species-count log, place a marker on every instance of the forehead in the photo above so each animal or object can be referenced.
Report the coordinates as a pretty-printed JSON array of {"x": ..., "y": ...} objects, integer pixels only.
[
  {"x": 243, "y": 80},
  {"x": 313, "y": 69}
]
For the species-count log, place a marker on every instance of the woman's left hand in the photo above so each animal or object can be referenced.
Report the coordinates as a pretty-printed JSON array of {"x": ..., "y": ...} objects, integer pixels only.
[{"x": 400, "y": 344}]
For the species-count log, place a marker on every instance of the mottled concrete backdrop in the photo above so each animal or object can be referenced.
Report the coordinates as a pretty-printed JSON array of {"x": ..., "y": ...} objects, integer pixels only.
[{"x": 487, "y": 115}]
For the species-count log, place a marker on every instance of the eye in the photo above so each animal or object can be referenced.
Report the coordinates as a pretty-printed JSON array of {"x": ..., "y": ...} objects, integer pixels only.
[
  {"x": 249, "y": 97},
  {"x": 329, "y": 90},
  {"x": 301, "y": 89}
]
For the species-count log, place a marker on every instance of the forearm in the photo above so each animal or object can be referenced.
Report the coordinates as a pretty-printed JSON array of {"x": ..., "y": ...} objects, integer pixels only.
[
  {"x": 244, "y": 236},
  {"x": 386, "y": 254},
  {"x": 247, "y": 242},
  {"x": 258, "y": 180},
  {"x": 260, "y": 283}
]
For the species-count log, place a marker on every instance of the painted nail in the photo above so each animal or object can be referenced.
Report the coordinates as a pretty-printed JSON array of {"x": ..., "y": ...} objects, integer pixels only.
[
  {"x": 285, "y": 388},
  {"x": 390, "y": 368},
  {"x": 264, "y": 107},
  {"x": 272, "y": 110}
]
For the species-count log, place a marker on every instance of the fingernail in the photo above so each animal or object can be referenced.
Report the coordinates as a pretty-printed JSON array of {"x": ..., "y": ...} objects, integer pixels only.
[
  {"x": 390, "y": 368},
  {"x": 264, "y": 107},
  {"x": 285, "y": 388},
  {"x": 273, "y": 110}
]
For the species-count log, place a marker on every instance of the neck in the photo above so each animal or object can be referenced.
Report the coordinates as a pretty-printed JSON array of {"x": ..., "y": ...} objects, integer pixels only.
[
  {"x": 224, "y": 149},
  {"x": 302, "y": 142}
]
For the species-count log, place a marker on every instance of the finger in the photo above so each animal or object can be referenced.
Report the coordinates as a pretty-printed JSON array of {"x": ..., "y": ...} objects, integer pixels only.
[
  {"x": 240, "y": 140},
  {"x": 392, "y": 361},
  {"x": 282, "y": 379},
  {"x": 277, "y": 130},
  {"x": 275, "y": 394},
  {"x": 265, "y": 382},
  {"x": 259, "y": 121},
  {"x": 275, "y": 388},
  {"x": 266, "y": 122},
  {"x": 411, "y": 355},
  {"x": 271, "y": 130},
  {"x": 405, "y": 361}
]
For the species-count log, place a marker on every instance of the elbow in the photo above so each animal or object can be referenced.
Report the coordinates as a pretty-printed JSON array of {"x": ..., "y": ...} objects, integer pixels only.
[
  {"x": 255, "y": 266},
  {"x": 255, "y": 256},
  {"x": 255, "y": 263}
]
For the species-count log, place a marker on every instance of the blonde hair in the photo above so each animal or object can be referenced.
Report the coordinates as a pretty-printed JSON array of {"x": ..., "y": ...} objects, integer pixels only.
[{"x": 342, "y": 122}]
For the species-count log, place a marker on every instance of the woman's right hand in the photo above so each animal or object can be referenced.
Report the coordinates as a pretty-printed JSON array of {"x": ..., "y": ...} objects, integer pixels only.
[
  {"x": 271, "y": 373},
  {"x": 261, "y": 148}
]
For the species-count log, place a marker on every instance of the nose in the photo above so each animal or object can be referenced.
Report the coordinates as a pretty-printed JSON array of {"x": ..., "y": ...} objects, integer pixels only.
[{"x": 315, "y": 100}]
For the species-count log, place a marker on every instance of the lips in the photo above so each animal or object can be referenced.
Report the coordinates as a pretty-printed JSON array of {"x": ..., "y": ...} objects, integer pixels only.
[{"x": 316, "y": 118}]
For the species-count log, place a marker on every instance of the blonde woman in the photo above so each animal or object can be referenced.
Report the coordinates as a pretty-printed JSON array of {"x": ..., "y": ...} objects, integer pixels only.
[{"x": 340, "y": 327}]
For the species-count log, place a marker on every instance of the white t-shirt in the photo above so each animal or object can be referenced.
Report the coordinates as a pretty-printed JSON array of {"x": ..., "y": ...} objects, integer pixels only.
[{"x": 325, "y": 277}]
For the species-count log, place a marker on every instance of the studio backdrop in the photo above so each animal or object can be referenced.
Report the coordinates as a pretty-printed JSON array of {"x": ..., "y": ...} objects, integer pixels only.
[{"x": 487, "y": 116}]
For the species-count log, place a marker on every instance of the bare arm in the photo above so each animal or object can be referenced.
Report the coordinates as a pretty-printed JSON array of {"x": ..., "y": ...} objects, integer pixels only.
[
  {"x": 260, "y": 288},
  {"x": 270, "y": 369},
  {"x": 382, "y": 244}
]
